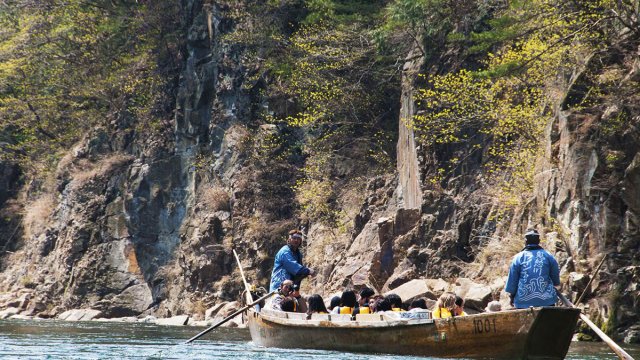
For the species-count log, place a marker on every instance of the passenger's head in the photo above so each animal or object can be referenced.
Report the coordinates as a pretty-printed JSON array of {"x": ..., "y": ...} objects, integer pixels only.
[
  {"x": 381, "y": 304},
  {"x": 286, "y": 287},
  {"x": 532, "y": 237},
  {"x": 459, "y": 305},
  {"x": 335, "y": 301},
  {"x": 395, "y": 300},
  {"x": 316, "y": 304},
  {"x": 447, "y": 300},
  {"x": 288, "y": 304},
  {"x": 418, "y": 304},
  {"x": 348, "y": 298},
  {"x": 365, "y": 295},
  {"x": 493, "y": 306},
  {"x": 295, "y": 239}
]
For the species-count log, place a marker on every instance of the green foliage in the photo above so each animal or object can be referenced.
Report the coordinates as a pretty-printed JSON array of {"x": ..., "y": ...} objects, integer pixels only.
[
  {"x": 65, "y": 67},
  {"x": 338, "y": 90},
  {"x": 500, "y": 109},
  {"x": 430, "y": 24}
]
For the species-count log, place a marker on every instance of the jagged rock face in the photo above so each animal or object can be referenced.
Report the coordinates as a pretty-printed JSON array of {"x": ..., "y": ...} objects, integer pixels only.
[
  {"x": 9, "y": 174},
  {"x": 143, "y": 229},
  {"x": 117, "y": 239},
  {"x": 589, "y": 185}
]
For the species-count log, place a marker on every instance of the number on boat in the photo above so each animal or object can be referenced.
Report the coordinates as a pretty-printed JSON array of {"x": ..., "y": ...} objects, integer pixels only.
[{"x": 484, "y": 326}]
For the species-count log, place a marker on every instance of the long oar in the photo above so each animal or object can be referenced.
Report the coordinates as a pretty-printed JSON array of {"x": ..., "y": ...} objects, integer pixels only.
[
  {"x": 236, "y": 313},
  {"x": 244, "y": 280},
  {"x": 595, "y": 273},
  {"x": 616, "y": 349}
]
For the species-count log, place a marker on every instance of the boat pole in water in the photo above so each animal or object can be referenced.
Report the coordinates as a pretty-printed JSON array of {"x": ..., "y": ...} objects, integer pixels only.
[
  {"x": 595, "y": 273},
  {"x": 250, "y": 302},
  {"x": 236, "y": 313},
  {"x": 616, "y": 349}
]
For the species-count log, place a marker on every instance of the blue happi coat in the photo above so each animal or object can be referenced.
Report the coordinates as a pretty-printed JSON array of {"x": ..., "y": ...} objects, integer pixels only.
[
  {"x": 287, "y": 265},
  {"x": 532, "y": 276}
]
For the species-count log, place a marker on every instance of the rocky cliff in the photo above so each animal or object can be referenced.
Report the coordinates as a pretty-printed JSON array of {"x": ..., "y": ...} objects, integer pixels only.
[{"x": 133, "y": 224}]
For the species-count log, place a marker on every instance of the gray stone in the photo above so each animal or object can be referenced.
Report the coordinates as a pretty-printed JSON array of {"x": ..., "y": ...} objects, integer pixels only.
[
  {"x": 136, "y": 298},
  {"x": 632, "y": 336},
  {"x": 9, "y": 312},
  {"x": 225, "y": 311},
  {"x": 20, "y": 317},
  {"x": 438, "y": 285},
  {"x": 179, "y": 320},
  {"x": 212, "y": 311},
  {"x": 80, "y": 315},
  {"x": 578, "y": 282},
  {"x": 201, "y": 323},
  {"x": 148, "y": 319},
  {"x": 476, "y": 296},
  {"x": 126, "y": 319},
  {"x": 412, "y": 290}
]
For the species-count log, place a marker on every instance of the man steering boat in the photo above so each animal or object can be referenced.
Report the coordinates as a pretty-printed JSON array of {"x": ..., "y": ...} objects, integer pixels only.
[{"x": 288, "y": 263}]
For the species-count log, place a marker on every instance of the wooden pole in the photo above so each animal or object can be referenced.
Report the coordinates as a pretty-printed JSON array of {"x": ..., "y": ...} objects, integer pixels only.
[
  {"x": 616, "y": 349},
  {"x": 236, "y": 313},
  {"x": 244, "y": 280},
  {"x": 595, "y": 273}
]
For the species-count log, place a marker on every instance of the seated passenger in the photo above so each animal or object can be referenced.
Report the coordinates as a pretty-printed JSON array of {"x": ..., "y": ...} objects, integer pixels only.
[
  {"x": 418, "y": 305},
  {"x": 396, "y": 302},
  {"x": 335, "y": 302},
  {"x": 347, "y": 303},
  {"x": 285, "y": 289},
  {"x": 445, "y": 306},
  {"x": 381, "y": 305},
  {"x": 288, "y": 304},
  {"x": 493, "y": 306},
  {"x": 459, "y": 309},
  {"x": 301, "y": 303},
  {"x": 316, "y": 305},
  {"x": 363, "y": 302}
]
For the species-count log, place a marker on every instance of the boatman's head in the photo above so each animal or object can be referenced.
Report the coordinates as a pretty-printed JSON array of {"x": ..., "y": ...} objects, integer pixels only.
[
  {"x": 295, "y": 238},
  {"x": 532, "y": 237}
]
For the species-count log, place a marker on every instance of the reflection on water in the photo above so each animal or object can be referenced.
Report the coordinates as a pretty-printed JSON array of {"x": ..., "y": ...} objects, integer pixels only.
[{"x": 50, "y": 339}]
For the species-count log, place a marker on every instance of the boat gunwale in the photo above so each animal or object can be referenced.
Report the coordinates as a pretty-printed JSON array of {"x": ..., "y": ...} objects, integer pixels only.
[{"x": 393, "y": 322}]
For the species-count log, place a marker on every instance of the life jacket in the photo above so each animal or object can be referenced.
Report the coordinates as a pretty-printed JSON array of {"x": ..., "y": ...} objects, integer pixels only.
[
  {"x": 397, "y": 309},
  {"x": 441, "y": 313},
  {"x": 365, "y": 310},
  {"x": 346, "y": 310}
]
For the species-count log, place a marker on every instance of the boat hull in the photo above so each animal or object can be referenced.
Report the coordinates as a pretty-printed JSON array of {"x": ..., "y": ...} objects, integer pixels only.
[{"x": 535, "y": 333}]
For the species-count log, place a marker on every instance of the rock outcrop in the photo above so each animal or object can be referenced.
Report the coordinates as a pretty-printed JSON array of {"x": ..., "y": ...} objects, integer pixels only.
[{"x": 144, "y": 226}]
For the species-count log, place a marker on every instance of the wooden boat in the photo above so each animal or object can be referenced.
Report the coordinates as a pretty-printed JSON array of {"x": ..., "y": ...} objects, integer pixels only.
[{"x": 534, "y": 333}]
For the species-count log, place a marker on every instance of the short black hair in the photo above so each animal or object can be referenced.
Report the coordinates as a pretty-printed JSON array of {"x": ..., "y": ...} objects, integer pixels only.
[
  {"x": 419, "y": 304},
  {"x": 395, "y": 300},
  {"x": 367, "y": 292},
  {"x": 382, "y": 304},
  {"x": 348, "y": 298},
  {"x": 532, "y": 237},
  {"x": 459, "y": 300},
  {"x": 316, "y": 304},
  {"x": 288, "y": 304},
  {"x": 335, "y": 301}
]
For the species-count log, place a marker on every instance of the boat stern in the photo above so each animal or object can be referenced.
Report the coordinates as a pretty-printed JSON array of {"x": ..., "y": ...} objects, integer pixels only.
[{"x": 551, "y": 333}]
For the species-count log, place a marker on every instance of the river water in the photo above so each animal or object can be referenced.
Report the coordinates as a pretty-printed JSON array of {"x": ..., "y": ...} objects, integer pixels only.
[{"x": 50, "y": 339}]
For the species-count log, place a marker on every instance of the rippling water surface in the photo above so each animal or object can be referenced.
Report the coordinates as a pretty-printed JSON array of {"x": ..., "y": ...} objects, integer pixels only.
[{"x": 50, "y": 339}]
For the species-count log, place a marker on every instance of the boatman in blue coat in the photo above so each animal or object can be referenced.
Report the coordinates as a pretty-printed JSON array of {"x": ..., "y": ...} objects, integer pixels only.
[
  {"x": 288, "y": 263},
  {"x": 533, "y": 275}
]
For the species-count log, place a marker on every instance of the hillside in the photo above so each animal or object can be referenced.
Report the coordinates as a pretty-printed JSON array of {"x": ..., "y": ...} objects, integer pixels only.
[{"x": 142, "y": 141}]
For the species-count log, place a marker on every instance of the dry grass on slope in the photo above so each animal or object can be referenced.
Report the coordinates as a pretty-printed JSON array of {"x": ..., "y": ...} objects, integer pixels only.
[
  {"x": 494, "y": 257},
  {"x": 36, "y": 214}
]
